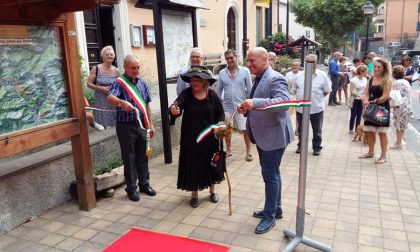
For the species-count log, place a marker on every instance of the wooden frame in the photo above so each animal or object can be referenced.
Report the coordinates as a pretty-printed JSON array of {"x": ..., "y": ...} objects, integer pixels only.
[
  {"x": 149, "y": 35},
  {"x": 136, "y": 34},
  {"x": 46, "y": 14}
]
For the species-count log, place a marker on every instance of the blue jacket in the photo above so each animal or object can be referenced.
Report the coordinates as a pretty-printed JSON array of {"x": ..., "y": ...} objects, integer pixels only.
[{"x": 270, "y": 129}]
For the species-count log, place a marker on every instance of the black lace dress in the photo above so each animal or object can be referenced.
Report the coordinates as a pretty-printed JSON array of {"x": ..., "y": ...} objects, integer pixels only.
[
  {"x": 194, "y": 172},
  {"x": 375, "y": 92}
]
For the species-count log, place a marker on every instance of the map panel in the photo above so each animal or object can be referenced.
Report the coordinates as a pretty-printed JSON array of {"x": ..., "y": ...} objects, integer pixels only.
[
  {"x": 178, "y": 41},
  {"x": 32, "y": 82}
]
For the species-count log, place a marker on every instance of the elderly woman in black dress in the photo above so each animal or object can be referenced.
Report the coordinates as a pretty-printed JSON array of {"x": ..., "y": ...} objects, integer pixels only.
[{"x": 200, "y": 107}]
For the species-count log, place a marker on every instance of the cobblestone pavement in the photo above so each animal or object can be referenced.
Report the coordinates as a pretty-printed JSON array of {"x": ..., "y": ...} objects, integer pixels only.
[{"x": 351, "y": 204}]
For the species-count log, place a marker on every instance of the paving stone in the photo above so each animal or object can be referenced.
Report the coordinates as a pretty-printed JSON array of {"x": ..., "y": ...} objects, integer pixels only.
[
  {"x": 85, "y": 234},
  {"x": 90, "y": 247},
  {"x": 118, "y": 228},
  {"x": 247, "y": 241},
  {"x": 202, "y": 233},
  {"x": 104, "y": 238},
  {"x": 69, "y": 230},
  {"x": 100, "y": 225},
  {"x": 182, "y": 230},
  {"x": 52, "y": 239},
  {"x": 69, "y": 244},
  {"x": 164, "y": 226}
]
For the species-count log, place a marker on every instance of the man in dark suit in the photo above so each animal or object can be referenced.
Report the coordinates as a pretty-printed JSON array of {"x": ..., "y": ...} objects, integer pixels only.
[{"x": 270, "y": 129}]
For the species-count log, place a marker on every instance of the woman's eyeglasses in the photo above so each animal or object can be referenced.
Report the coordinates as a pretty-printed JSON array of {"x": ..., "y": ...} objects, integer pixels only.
[{"x": 310, "y": 61}]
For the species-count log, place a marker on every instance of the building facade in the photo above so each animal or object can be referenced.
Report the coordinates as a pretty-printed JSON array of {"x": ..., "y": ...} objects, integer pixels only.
[
  {"x": 296, "y": 30},
  {"x": 130, "y": 30}
]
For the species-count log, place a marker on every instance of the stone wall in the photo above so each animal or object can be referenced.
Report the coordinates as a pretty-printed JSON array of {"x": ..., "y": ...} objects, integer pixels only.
[{"x": 41, "y": 180}]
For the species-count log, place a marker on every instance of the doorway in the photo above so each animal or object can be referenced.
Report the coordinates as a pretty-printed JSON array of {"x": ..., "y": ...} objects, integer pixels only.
[
  {"x": 231, "y": 29},
  {"x": 99, "y": 29}
]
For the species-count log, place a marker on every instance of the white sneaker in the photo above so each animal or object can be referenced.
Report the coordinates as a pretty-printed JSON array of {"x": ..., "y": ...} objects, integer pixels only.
[
  {"x": 351, "y": 132},
  {"x": 98, "y": 126}
]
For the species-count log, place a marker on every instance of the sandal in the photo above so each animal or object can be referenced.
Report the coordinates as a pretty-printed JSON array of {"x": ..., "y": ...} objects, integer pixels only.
[
  {"x": 366, "y": 155},
  {"x": 381, "y": 160},
  {"x": 228, "y": 154}
]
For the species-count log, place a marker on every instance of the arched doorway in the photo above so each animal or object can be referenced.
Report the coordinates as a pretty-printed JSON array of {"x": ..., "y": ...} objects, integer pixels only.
[{"x": 231, "y": 29}]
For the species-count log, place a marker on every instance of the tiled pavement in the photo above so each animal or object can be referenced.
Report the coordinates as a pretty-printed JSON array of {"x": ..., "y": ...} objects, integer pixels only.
[{"x": 351, "y": 204}]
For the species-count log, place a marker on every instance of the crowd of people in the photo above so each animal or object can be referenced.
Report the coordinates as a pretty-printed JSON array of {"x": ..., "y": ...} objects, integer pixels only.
[
  {"x": 126, "y": 99},
  {"x": 373, "y": 82}
]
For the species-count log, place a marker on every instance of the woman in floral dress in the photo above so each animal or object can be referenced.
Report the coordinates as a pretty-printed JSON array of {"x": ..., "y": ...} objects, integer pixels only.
[
  {"x": 100, "y": 80},
  {"x": 402, "y": 112}
]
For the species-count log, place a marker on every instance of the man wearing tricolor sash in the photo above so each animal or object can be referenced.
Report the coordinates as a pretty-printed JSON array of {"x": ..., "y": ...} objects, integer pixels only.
[
  {"x": 131, "y": 96},
  {"x": 270, "y": 128}
]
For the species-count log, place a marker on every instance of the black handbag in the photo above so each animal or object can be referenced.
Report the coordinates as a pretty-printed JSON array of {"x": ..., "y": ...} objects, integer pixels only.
[
  {"x": 376, "y": 114},
  {"x": 218, "y": 159}
]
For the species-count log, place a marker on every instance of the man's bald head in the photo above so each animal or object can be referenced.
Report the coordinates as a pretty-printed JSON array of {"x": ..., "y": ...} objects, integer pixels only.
[{"x": 257, "y": 60}]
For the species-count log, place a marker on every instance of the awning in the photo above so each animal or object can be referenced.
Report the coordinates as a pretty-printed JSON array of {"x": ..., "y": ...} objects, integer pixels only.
[
  {"x": 198, "y": 4},
  {"x": 304, "y": 41}
]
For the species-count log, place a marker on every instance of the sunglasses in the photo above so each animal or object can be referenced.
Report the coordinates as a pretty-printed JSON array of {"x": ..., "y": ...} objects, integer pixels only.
[
  {"x": 229, "y": 58},
  {"x": 310, "y": 61}
]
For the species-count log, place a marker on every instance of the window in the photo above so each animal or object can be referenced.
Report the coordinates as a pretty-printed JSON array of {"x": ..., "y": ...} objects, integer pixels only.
[
  {"x": 258, "y": 26},
  {"x": 148, "y": 35},
  {"x": 136, "y": 36},
  {"x": 380, "y": 28},
  {"x": 267, "y": 22}
]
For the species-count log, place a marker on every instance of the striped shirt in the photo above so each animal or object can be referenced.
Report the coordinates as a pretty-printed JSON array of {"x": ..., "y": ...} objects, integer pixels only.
[{"x": 118, "y": 91}]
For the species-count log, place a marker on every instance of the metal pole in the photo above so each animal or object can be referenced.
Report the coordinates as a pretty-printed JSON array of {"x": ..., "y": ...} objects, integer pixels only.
[
  {"x": 367, "y": 35},
  {"x": 300, "y": 210},
  {"x": 163, "y": 91},
  {"x": 194, "y": 27},
  {"x": 270, "y": 19},
  {"x": 287, "y": 21},
  {"x": 245, "y": 30}
]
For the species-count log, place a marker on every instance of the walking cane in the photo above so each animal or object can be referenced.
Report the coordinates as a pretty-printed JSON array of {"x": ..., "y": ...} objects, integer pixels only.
[
  {"x": 227, "y": 175},
  {"x": 230, "y": 192}
]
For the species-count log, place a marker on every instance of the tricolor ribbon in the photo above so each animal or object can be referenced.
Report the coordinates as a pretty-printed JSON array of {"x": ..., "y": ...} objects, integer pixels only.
[
  {"x": 293, "y": 103},
  {"x": 135, "y": 95},
  {"x": 207, "y": 131},
  {"x": 288, "y": 104},
  {"x": 91, "y": 108}
]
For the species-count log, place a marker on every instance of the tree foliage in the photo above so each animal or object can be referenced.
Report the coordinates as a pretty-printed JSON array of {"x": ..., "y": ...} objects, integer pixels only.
[{"x": 331, "y": 19}]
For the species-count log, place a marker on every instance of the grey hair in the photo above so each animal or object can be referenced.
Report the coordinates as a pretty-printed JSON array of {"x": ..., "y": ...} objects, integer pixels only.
[
  {"x": 296, "y": 60},
  {"x": 130, "y": 58},
  {"x": 197, "y": 50},
  {"x": 105, "y": 49},
  {"x": 311, "y": 56},
  {"x": 337, "y": 53}
]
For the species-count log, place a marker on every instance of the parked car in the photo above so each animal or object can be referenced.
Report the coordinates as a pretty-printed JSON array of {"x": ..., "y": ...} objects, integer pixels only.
[
  {"x": 396, "y": 59},
  {"x": 416, "y": 62},
  {"x": 394, "y": 45}
]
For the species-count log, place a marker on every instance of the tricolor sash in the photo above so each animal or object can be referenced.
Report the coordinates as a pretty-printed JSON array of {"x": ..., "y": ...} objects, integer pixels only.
[{"x": 135, "y": 95}]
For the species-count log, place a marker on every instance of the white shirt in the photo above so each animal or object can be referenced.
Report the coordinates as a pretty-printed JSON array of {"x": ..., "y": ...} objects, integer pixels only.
[
  {"x": 321, "y": 85},
  {"x": 359, "y": 85},
  {"x": 291, "y": 77}
]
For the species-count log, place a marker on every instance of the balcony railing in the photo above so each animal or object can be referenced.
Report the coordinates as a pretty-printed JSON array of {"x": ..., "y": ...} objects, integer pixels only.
[{"x": 378, "y": 18}]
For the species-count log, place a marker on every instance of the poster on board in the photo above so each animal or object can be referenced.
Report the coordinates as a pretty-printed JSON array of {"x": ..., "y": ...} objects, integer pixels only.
[{"x": 32, "y": 82}]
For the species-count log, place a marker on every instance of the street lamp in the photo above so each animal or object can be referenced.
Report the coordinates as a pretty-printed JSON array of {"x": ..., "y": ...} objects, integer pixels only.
[{"x": 368, "y": 9}]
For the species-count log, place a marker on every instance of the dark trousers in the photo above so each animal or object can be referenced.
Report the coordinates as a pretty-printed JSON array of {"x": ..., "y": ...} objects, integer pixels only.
[
  {"x": 133, "y": 151},
  {"x": 356, "y": 114},
  {"x": 270, "y": 169},
  {"x": 316, "y": 123},
  {"x": 335, "y": 81}
]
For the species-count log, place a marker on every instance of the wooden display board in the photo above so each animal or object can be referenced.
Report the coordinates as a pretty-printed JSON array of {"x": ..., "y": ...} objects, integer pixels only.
[{"x": 26, "y": 27}]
